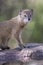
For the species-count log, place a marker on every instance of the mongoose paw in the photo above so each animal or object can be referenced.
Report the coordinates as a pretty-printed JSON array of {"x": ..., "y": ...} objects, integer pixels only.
[
  {"x": 21, "y": 46},
  {"x": 4, "y": 48},
  {"x": 5, "y": 64}
]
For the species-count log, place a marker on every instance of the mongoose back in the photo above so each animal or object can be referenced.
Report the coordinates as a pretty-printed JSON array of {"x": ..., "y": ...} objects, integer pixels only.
[{"x": 14, "y": 27}]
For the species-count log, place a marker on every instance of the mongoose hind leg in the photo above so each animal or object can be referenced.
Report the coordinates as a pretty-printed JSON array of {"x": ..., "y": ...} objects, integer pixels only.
[{"x": 4, "y": 43}]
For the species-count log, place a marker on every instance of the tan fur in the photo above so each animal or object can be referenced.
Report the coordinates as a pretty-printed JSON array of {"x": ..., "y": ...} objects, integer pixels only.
[{"x": 10, "y": 28}]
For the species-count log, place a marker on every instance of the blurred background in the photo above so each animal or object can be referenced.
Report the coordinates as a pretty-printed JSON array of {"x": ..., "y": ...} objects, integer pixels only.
[{"x": 33, "y": 32}]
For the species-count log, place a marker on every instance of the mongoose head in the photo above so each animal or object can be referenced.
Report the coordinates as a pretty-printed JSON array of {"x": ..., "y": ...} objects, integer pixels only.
[{"x": 25, "y": 16}]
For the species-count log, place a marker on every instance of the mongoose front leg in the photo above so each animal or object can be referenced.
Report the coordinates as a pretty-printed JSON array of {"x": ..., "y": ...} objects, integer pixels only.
[{"x": 19, "y": 40}]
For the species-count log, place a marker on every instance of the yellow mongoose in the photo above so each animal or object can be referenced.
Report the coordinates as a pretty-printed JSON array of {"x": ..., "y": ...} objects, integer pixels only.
[{"x": 13, "y": 27}]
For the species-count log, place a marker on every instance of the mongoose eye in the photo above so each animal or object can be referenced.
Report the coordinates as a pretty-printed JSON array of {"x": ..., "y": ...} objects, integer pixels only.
[
  {"x": 25, "y": 16},
  {"x": 30, "y": 15}
]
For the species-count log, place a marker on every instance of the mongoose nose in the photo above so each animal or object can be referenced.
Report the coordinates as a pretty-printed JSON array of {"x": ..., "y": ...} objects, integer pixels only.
[{"x": 28, "y": 18}]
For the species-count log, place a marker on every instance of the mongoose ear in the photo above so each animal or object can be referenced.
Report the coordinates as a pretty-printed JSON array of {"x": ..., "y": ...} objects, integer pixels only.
[
  {"x": 32, "y": 11},
  {"x": 20, "y": 11}
]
